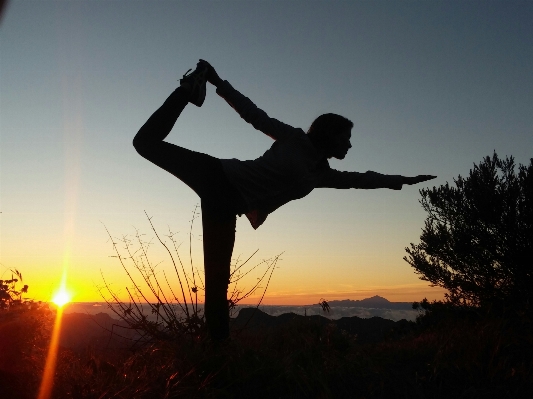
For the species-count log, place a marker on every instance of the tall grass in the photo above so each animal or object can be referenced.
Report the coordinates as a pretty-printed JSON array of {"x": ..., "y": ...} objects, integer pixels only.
[{"x": 159, "y": 309}]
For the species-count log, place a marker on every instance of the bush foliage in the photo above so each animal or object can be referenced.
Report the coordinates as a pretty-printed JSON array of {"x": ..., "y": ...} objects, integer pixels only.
[
  {"x": 477, "y": 241},
  {"x": 10, "y": 294}
]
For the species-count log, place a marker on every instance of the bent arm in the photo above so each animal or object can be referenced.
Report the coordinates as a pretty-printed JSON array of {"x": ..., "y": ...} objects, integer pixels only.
[{"x": 254, "y": 115}]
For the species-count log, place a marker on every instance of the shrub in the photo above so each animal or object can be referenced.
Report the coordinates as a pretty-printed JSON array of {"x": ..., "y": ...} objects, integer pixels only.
[{"x": 477, "y": 241}]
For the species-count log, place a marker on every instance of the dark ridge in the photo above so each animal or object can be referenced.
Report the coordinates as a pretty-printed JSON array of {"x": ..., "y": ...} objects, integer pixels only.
[
  {"x": 370, "y": 330},
  {"x": 79, "y": 330}
]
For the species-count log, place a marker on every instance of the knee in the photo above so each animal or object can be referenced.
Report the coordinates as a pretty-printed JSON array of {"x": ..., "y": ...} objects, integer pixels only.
[
  {"x": 137, "y": 142},
  {"x": 140, "y": 146}
]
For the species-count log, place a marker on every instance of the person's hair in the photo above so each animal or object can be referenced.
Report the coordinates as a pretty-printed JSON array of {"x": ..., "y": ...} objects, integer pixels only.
[{"x": 327, "y": 126}]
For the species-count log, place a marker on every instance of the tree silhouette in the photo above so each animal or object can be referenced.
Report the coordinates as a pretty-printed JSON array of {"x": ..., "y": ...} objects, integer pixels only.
[
  {"x": 477, "y": 241},
  {"x": 10, "y": 295}
]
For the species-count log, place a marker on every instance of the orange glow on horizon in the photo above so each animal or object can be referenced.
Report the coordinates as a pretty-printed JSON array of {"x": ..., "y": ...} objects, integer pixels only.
[{"x": 405, "y": 293}]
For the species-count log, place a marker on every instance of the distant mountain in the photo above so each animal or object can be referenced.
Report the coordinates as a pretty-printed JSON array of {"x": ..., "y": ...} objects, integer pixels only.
[
  {"x": 374, "y": 329},
  {"x": 376, "y": 302}
]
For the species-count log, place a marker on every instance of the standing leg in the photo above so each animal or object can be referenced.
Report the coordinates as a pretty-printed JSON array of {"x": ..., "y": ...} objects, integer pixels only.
[{"x": 218, "y": 240}]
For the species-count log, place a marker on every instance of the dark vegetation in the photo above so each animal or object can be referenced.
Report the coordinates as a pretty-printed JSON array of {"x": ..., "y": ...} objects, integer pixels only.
[
  {"x": 476, "y": 343},
  {"x": 477, "y": 241},
  {"x": 442, "y": 356}
]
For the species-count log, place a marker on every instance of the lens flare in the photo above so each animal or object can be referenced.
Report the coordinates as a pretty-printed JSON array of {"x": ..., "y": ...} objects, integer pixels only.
[{"x": 61, "y": 298}]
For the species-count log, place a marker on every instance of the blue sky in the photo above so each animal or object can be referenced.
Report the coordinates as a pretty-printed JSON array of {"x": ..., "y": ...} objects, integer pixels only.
[{"x": 432, "y": 87}]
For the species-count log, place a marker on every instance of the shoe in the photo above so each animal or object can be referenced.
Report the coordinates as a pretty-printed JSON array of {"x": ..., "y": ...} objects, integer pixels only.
[{"x": 195, "y": 81}]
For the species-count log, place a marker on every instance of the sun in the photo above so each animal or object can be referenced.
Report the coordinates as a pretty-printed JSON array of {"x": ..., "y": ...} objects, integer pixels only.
[{"x": 61, "y": 298}]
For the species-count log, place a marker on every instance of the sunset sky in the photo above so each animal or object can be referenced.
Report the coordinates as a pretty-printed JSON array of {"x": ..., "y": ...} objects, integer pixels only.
[{"x": 431, "y": 86}]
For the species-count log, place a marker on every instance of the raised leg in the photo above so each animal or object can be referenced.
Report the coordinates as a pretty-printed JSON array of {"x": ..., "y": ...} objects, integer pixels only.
[
  {"x": 159, "y": 125},
  {"x": 193, "y": 168}
]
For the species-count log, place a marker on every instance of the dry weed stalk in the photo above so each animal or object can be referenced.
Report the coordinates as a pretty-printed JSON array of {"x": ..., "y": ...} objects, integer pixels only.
[{"x": 172, "y": 314}]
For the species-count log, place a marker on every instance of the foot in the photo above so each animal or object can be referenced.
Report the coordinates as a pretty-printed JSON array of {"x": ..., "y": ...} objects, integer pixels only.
[
  {"x": 195, "y": 83},
  {"x": 212, "y": 75}
]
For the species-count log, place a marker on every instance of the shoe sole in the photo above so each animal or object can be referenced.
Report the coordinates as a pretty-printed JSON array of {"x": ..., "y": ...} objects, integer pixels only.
[{"x": 198, "y": 86}]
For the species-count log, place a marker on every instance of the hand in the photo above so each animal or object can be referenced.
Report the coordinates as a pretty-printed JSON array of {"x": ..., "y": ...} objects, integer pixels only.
[
  {"x": 416, "y": 179},
  {"x": 212, "y": 75}
]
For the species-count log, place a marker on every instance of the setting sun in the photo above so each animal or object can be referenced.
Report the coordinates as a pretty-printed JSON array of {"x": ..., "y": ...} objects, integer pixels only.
[{"x": 61, "y": 298}]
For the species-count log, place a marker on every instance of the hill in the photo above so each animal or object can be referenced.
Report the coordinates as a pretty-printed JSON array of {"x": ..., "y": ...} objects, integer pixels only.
[{"x": 374, "y": 329}]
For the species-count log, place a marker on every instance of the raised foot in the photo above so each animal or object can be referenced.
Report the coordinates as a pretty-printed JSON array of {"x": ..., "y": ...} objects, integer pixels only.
[{"x": 194, "y": 82}]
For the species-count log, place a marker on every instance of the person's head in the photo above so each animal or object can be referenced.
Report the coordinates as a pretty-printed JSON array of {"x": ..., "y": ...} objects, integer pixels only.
[{"x": 331, "y": 133}]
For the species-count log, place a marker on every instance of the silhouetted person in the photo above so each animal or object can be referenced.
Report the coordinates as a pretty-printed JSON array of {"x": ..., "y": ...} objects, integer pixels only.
[{"x": 293, "y": 166}]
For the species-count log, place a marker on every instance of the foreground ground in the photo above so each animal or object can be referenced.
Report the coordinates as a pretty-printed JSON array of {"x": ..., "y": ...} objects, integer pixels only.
[{"x": 447, "y": 357}]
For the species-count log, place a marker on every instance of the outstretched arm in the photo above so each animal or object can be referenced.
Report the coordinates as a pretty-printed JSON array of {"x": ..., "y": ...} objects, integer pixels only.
[
  {"x": 247, "y": 109},
  {"x": 417, "y": 179},
  {"x": 369, "y": 180}
]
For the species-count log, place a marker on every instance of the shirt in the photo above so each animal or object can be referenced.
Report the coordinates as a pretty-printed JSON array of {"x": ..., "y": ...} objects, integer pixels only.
[{"x": 290, "y": 169}]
